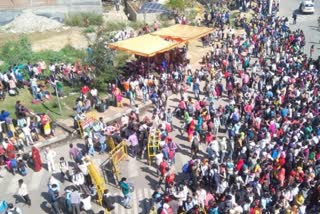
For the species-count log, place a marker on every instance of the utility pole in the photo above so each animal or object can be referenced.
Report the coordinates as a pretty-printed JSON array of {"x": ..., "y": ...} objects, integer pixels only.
[{"x": 58, "y": 98}]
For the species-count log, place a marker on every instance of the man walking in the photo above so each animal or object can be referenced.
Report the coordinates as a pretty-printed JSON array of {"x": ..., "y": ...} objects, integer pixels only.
[
  {"x": 169, "y": 117},
  {"x": 294, "y": 16},
  {"x": 75, "y": 202},
  {"x": 49, "y": 156},
  {"x": 23, "y": 192},
  {"x": 126, "y": 193},
  {"x": 75, "y": 153}
]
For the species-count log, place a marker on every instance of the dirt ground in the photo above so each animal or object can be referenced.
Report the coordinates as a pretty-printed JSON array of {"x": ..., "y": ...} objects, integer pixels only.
[{"x": 53, "y": 40}]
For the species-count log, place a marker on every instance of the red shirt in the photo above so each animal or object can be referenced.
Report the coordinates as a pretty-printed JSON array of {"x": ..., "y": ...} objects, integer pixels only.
[{"x": 163, "y": 167}]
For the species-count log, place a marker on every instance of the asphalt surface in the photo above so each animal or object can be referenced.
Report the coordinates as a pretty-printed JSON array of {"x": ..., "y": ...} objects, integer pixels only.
[{"x": 307, "y": 22}]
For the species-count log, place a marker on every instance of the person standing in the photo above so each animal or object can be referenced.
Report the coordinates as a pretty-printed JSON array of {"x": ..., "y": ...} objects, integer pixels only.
[
  {"x": 75, "y": 202},
  {"x": 64, "y": 169},
  {"x": 36, "y": 158},
  {"x": 117, "y": 3},
  {"x": 75, "y": 153},
  {"x": 294, "y": 16},
  {"x": 133, "y": 144},
  {"x": 125, "y": 188},
  {"x": 54, "y": 198},
  {"x": 27, "y": 134},
  {"x": 49, "y": 156},
  {"x": 23, "y": 192},
  {"x": 163, "y": 169},
  {"x": 169, "y": 117},
  {"x": 90, "y": 145},
  {"x": 311, "y": 51}
]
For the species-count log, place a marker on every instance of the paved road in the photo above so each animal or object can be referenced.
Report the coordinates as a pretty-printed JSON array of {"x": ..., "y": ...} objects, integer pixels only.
[{"x": 307, "y": 22}]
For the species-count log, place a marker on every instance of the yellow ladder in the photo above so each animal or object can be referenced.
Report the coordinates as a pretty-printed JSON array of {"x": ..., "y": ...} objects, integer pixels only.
[
  {"x": 153, "y": 145},
  {"x": 97, "y": 180}
]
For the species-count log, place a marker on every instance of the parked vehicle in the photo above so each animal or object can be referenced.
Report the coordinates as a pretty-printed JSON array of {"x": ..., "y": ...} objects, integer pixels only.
[{"x": 307, "y": 6}]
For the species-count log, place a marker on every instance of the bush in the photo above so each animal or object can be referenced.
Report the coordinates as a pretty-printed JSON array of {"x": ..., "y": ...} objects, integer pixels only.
[
  {"x": 67, "y": 55},
  {"x": 89, "y": 29},
  {"x": 15, "y": 52},
  {"x": 115, "y": 26},
  {"x": 20, "y": 52},
  {"x": 137, "y": 25},
  {"x": 84, "y": 19}
]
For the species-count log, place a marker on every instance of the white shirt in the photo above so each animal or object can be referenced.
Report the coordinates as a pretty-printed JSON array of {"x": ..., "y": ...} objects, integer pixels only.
[
  {"x": 94, "y": 92},
  {"x": 22, "y": 191},
  {"x": 50, "y": 155},
  {"x": 78, "y": 179},
  {"x": 26, "y": 130},
  {"x": 86, "y": 203},
  {"x": 84, "y": 168},
  {"x": 159, "y": 158},
  {"x": 14, "y": 210}
]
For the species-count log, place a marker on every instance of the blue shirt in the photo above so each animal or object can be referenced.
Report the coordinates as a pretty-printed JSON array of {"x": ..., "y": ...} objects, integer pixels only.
[{"x": 284, "y": 112}]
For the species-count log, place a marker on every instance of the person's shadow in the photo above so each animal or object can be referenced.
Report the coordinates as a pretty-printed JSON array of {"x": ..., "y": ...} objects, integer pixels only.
[
  {"x": 18, "y": 199},
  {"x": 45, "y": 205}
]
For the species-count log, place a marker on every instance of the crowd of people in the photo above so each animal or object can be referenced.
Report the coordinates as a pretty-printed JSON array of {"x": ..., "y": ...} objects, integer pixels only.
[
  {"x": 262, "y": 144},
  {"x": 268, "y": 161}
]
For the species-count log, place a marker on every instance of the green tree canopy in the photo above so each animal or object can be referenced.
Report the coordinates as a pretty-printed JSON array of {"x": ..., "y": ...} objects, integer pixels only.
[{"x": 102, "y": 57}]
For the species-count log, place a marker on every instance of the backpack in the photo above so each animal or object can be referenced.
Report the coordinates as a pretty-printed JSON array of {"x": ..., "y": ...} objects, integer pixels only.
[
  {"x": 131, "y": 187},
  {"x": 195, "y": 143},
  {"x": 79, "y": 155},
  {"x": 13, "y": 163},
  {"x": 235, "y": 117},
  {"x": 186, "y": 168}
]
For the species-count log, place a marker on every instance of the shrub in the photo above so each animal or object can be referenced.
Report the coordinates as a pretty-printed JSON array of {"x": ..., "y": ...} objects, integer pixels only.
[
  {"x": 84, "y": 19},
  {"x": 136, "y": 25},
  {"x": 89, "y": 29},
  {"x": 15, "y": 52},
  {"x": 115, "y": 26},
  {"x": 20, "y": 52}
]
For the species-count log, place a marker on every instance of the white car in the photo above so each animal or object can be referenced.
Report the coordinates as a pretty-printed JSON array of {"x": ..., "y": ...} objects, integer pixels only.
[{"x": 307, "y": 6}]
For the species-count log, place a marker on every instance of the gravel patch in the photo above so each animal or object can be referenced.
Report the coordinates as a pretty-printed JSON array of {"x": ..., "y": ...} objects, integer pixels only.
[{"x": 28, "y": 22}]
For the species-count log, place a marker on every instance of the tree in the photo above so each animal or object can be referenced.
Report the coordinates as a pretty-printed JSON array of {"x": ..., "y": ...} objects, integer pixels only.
[
  {"x": 101, "y": 57},
  {"x": 176, "y": 4}
]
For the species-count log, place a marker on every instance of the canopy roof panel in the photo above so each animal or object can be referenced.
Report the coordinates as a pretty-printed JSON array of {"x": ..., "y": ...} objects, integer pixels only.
[
  {"x": 183, "y": 33},
  {"x": 145, "y": 45},
  {"x": 153, "y": 7}
]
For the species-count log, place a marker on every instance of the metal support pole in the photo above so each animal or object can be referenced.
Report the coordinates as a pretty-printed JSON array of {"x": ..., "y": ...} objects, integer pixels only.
[{"x": 58, "y": 99}]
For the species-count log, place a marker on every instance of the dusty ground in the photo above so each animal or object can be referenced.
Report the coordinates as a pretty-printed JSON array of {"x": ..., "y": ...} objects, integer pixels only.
[{"x": 53, "y": 40}]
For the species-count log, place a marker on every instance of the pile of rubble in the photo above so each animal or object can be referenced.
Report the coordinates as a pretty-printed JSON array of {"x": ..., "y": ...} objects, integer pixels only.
[{"x": 28, "y": 22}]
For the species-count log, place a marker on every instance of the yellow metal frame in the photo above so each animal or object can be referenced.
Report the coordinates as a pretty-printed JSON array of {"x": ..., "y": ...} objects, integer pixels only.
[
  {"x": 153, "y": 145},
  {"x": 119, "y": 153},
  {"x": 97, "y": 180}
]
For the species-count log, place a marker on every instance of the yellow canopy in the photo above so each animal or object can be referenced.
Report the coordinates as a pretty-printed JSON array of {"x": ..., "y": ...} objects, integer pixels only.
[
  {"x": 146, "y": 45},
  {"x": 183, "y": 33}
]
